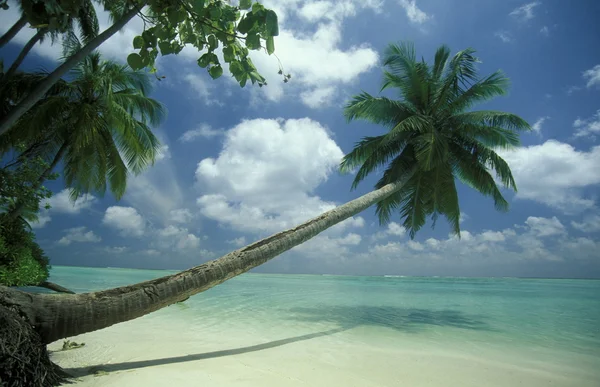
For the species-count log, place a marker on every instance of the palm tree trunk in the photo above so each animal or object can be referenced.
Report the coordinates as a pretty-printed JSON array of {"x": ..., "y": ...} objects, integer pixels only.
[
  {"x": 13, "y": 31},
  {"x": 32, "y": 42},
  {"x": 20, "y": 206},
  {"x": 36, "y": 94},
  {"x": 59, "y": 316}
]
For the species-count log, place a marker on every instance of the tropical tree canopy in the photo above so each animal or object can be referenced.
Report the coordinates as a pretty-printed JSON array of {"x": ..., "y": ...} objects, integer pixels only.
[
  {"x": 433, "y": 135},
  {"x": 99, "y": 123}
]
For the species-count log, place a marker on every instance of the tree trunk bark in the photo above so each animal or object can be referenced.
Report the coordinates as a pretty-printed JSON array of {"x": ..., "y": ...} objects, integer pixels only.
[
  {"x": 32, "y": 42},
  {"x": 61, "y": 316},
  {"x": 36, "y": 94},
  {"x": 13, "y": 31},
  {"x": 18, "y": 210}
]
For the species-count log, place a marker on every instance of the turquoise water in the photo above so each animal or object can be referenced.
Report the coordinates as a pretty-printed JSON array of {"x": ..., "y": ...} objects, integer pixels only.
[{"x": 550, "y": 322}]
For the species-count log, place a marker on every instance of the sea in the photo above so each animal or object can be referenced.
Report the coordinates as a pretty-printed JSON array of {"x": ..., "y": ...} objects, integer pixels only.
[{"x": 313, "y": 330}]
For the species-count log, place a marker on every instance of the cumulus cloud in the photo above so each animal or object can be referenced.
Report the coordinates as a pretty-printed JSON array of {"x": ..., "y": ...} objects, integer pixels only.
[
  {"x": 204, "y": 130},
  {"x": 544, "y": 227},
  {"x": 587, "y": 127},
  {"x": 125, "y": 219},
  {"x": 555, "y": 173},
  {"x": 238, "y": 242},
  {"x": 78, "y": 234},
  {"x": 525, "y": 12},
  {"x": 313, "y": 50},
  {"x": 263, "y": 179},
  {"x": 61, "y": 203},
  {"x": 175, "y": 239}
]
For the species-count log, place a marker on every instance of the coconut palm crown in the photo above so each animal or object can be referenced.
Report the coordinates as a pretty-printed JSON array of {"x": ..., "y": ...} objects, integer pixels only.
[{"x": 434, "y": 137}]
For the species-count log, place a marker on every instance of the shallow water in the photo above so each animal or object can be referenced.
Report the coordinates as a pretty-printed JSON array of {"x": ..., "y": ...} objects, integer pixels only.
[{"x": 453, "y": 331}]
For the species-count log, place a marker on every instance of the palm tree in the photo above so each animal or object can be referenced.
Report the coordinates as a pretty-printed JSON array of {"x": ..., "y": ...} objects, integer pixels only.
[
  {"x": 99, "y": 126},
  {"x": 85, "y": 17},
  {"x": 12, "y": 116},
  {"x": 432, "y": 138}
]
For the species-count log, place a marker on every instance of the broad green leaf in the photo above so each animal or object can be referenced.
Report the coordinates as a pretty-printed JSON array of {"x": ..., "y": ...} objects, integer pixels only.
[
  {"x": 215, "y": 71},
  {"x": 270, "y": 45},
  {"x": 236, "y": 68},
  {"x": 160, "y": 33},
  {"x": 138, "y": 42},
  {"x": 165, "y": 48},
  {"x": 135, "y": 61},
  {"x": 257, "y": 7},
  {"x": 245, "y": 4},
  {"x": 272, "y": 26},
  {"x": 204, "y": 60},
  {"x": 213, "y": 43},
  {"x": 246, "y": 23},
  {"x": 253, "y": 41},
  {"x": 228, "y": 54}
]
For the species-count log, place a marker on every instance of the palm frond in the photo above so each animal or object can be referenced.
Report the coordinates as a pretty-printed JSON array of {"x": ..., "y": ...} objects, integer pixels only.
[
  {"x": 493, "y": 118},
  {"x": 377, "y": 110}
]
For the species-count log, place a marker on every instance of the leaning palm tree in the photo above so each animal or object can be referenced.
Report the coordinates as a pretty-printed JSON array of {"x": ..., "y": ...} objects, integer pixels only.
[
  {"x": 433, "y": 138},
  {"x": 99, "y": 127}
]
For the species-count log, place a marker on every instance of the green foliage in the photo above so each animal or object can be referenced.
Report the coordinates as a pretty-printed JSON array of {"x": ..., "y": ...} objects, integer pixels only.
[
  {"x": 432, "y": 136},
  {"x": 22, "y": 261},
  {"x": 100, "y": 120},
  {"x": 207, "y": 25},
  {"x": 19, "y": 182}
]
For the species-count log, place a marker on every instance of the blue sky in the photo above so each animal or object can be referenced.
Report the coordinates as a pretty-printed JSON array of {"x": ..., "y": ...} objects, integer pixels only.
[{"x": 240, "y": 164}]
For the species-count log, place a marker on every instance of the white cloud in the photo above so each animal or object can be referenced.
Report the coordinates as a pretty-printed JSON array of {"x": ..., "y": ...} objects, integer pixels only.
[
  {"x": 314, "y": 55},
  {"x": 181, "y": 215},
  {"x": 204, "y": 130},
  {"x": 125, "y": 219},
  {"x": 555, "y": 173},
  {"x": 545, "y": 31},
  {"x": 263, "y": 179},
  {"x": 505, "y": 36},
  {"x": 463, "y": 217},
  {"x": 587, "y": 127},
  {"x": 544, "y": 227},
  {"x": 61, "y": 203},
  {"x": 592, "y": 76},
  {"x": 176, "y": 239},
  {"x": 414, "y": 13},
  {"x": 318, "y": 97},
  {"x": 525, "y": 12},
  {"x": 590, "y": 223},
  {"x": 78, "y": 234},
  {"x": 537, "y": 125},
  {"x": 493, "y": 236}
]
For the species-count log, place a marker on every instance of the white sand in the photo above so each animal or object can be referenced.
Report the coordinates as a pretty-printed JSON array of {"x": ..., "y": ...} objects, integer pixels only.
[{"x": 221, "y": 354}]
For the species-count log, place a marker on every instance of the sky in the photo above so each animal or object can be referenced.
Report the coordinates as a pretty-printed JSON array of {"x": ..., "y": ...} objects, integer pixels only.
[{"x": 237, "y": 165}]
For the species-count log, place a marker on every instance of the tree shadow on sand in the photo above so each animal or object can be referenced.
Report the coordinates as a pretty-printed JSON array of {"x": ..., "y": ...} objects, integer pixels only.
[
  {"x": 83, "y": 371},
  {"x": 409, "y": 320}
]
